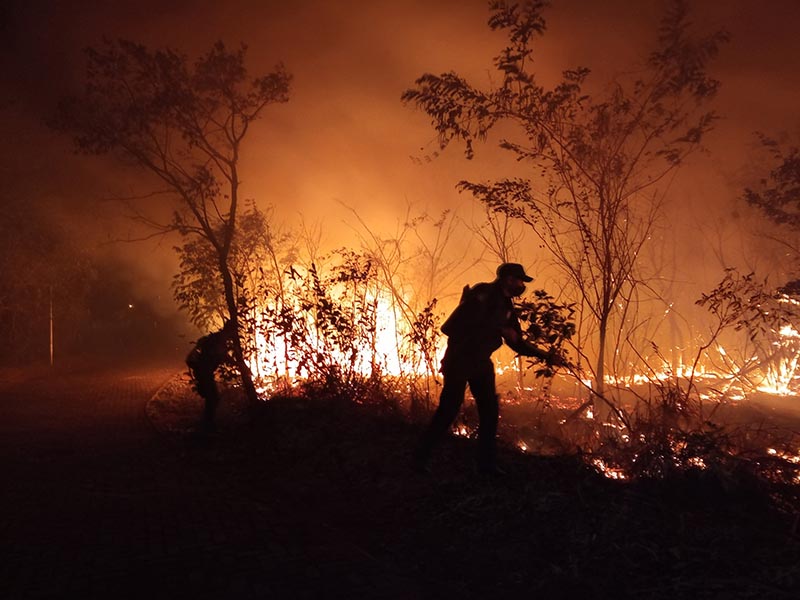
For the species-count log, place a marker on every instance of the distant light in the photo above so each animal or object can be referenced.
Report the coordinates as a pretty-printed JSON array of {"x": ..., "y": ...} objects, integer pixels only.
[{"x": 130, "y": 305}]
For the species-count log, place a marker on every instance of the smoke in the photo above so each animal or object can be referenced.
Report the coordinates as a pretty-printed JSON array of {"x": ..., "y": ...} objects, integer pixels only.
[{"x": 345, "y": 140}]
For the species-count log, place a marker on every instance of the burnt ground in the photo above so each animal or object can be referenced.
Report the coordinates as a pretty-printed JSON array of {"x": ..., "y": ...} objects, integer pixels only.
[{"x": 108, "y": 494}]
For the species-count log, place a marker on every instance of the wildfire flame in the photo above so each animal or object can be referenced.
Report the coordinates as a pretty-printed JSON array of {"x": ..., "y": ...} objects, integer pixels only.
[
  {"x": 462, "y": 431},
  {"x": 387, "y": 354},
  {"x": 782, "y": 371}
]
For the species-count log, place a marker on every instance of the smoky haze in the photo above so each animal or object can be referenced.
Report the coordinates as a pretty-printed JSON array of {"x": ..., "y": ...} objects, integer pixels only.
[{"x": 345, "y": 140}]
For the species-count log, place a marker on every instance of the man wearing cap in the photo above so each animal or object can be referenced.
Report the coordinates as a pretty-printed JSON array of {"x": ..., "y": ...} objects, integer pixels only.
[{"x": 484, "y": 318}]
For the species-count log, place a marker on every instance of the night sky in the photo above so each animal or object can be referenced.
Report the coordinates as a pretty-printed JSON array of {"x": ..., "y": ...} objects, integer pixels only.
[{"x": 345, "y": 137}]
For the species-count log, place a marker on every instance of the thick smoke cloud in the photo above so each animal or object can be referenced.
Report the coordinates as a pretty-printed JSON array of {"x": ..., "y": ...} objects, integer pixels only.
[{"x": 345, "y": 138}]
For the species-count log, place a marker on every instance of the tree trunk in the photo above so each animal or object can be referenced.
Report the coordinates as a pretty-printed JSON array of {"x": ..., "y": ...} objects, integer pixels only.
[
  {"x": 233, "y": 311},
  {"x": 602, "y": 411},
  {"x": 227, "y": 281}
]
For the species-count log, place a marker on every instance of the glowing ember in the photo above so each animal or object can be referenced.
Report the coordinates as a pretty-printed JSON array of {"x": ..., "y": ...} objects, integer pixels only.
[
  {"x": 607, "y": 471},
  {"x": 461, "y": 430},
  {"x": 792, "y": 458},
  {"x": 697, "y": 462}
]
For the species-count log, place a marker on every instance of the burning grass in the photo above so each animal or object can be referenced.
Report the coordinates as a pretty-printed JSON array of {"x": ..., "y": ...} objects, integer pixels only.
[{"x": 557, "y": 524}]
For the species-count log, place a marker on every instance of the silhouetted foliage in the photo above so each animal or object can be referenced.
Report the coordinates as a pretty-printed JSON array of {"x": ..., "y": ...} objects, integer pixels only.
[
  {"x": 593, "y": 159},
  {"x": 185, "y": 124},
  {"x": 769, "y": 318},
  {"x": 778, "y": 194},
  {"x": 548, "y": 325},
  {"x": 197, "y": 287},
  {"x": 746, "y": 304}
]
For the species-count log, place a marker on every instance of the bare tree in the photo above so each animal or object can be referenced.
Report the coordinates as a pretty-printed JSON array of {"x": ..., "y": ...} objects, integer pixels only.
[
  {"x": 498, "y": 234},
  {"x": 185, "y": 124},
  {"x": 591, "y": 194}
]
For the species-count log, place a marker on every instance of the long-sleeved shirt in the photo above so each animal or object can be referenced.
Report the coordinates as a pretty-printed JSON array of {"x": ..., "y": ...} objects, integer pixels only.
[{"x": 481, "y": 322}]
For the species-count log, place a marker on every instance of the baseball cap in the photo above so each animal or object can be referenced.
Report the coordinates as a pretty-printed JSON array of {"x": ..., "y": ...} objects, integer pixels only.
[{"x": 513, "y": 269}]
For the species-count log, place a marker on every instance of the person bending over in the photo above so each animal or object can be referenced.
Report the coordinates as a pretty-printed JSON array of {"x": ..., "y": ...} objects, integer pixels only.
[
  {"x": 478, "y": 326},
  {"x": 210, "y": 353}
]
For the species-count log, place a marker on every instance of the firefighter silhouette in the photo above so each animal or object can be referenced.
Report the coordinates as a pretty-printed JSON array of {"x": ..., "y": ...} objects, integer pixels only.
[
  {"x": 483, "y": 320},
  {"x": 210, "y": 352}
]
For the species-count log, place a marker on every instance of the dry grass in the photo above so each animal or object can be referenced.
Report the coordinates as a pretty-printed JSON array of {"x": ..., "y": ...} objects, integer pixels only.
[{"x": 551, "y": 527}]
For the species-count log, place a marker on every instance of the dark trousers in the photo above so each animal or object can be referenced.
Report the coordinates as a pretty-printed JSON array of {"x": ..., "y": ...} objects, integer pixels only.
[
  {"x": 207, "y": 389},
  {"x": 480, "y": 376}
]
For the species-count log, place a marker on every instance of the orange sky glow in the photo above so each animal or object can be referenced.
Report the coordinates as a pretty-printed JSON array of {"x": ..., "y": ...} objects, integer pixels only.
[{"x": 344, "y": 138}]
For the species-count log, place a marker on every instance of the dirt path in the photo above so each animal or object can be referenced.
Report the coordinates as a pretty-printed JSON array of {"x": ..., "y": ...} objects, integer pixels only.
[{"x": 95, "y": 504}]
